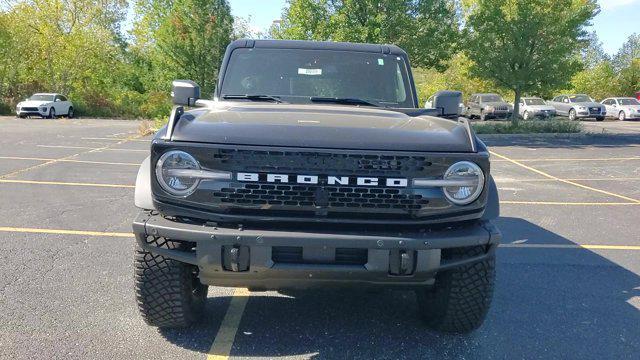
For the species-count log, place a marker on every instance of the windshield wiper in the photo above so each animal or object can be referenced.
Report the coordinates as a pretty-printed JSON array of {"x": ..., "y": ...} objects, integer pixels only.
[
  {"x": 254, "y": 97},
  {"x": 346, "y": 101}
]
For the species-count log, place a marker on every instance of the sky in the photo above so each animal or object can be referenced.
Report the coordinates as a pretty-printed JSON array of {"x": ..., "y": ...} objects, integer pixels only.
[{"x": 617, "y": 19}]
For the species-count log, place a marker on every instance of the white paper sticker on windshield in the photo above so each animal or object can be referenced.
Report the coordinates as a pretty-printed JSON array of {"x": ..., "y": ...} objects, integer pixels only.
[
  {"x": 380, "y": 62},
  {"x": 303, "y": 71}
]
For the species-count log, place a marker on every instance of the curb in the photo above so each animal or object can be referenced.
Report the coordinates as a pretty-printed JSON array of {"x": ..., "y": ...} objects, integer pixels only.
[{"x": 533, "y": 136}]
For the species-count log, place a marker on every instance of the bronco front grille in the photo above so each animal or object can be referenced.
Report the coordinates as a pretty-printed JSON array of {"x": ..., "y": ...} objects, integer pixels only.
[
  {"x": 338, "y": 197},
  {"x": 319, "y": 162}
]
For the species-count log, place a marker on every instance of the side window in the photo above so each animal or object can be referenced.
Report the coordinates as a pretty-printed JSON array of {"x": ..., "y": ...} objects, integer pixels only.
[
  {"x": 62, "y": 98},
  {"x": 565, "y": 99},
  {"x": 57, "y": 98},
  {"x": 557, "y": 99}
]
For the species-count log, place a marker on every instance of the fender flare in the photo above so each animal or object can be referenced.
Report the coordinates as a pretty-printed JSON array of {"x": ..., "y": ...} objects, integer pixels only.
[
  {"x": 492, "y": 210},
  {"x": 143, "y": 198}
]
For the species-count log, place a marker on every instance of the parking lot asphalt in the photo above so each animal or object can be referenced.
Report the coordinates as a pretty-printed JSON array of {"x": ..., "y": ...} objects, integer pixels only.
[{"x": 568, "y": 272}]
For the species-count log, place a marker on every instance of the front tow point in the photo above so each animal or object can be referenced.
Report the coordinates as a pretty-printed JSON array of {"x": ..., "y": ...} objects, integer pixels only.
[
  {"x": 235, "y": 258},
  {"x": 401, "y": 262}
]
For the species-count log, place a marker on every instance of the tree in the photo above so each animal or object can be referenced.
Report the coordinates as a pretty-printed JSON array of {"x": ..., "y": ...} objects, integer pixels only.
[
  {"x": 629, "y": 51},
  {"x": 427, "y": 29},
  {"x": 527, "y": 46},
  {"x": 594, "y": 53},
  {"x": 599, "y": 81},
  {"x": 182, "y": 39},
  {"x": 629, "y": 78}
]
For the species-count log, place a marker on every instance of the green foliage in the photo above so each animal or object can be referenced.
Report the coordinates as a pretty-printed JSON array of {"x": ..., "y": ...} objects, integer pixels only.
[
  {"x": 182, "y": 39},
  {"x": 457, "y": 76},
  {"x": 629, "y": 51},
  {"x": 427, "y": 29},
  {"x": 599, "y": 81},
  {"x": 527, "y": 46},
  {"x": 528, "y": 127}
]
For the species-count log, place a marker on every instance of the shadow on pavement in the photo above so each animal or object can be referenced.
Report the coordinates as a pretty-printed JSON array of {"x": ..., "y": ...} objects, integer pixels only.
[{"x": 549, "y": 303}]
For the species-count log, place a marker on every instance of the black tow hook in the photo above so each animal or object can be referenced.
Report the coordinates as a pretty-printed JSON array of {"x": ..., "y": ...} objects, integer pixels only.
[
  {"x": 235, "y": 258},
  {"x": 402, "y": 262}
]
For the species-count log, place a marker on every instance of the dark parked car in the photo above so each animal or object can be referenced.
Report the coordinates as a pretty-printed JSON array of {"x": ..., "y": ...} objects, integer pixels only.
[
  {"x": 488, "y": 106},
  {"x": 315, "y": 166}
]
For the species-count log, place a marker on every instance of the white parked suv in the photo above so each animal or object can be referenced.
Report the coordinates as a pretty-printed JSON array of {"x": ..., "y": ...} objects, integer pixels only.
[
  {"x": 531, "y": 107},
  {"x": 45, "y": 105},
  {"x": 622, "y": 108}
]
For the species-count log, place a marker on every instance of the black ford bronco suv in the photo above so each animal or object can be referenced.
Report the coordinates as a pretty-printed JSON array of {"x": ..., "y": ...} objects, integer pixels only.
[{"x": 314, "y": 166}]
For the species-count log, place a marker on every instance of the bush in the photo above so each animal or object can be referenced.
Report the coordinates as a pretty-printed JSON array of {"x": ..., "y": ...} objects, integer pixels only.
[
  {"x": 528, "y": 127},
  {"x": 5, "y": 109}
]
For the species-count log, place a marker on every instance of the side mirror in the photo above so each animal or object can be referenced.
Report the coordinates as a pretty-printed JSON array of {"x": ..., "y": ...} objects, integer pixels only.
[
  {"x": 448, "y": 102},
  {"x": 185, "y": 92},
  {"x": 58, "y": 100}
]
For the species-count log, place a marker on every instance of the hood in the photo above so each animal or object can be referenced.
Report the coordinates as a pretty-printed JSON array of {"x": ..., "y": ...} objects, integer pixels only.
[
  {"x": 33, "y": 103},
  {"x": 321, "y": 126},
  {"x": 540, "y": 107},
  {"x": 587, "y": 104}
]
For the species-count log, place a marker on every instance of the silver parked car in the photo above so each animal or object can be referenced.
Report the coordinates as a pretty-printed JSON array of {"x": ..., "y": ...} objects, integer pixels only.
[
  {"x": 488, "y": 106},
  {"x": 532, "y": 107},
  {"x": 578, "y": 106},
  {"x": 622, "y": 108}
]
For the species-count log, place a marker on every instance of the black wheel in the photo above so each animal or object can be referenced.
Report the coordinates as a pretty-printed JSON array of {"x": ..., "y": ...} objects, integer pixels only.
[
  {"x": 622, "y": 116},
  {"x": 525, "y": 115},
  {"x": 22, "y": 116},
  {"x": 168, "y": 292},
  {"x": 52, "y": 113},
  {"x": 70, "y": 112},
  {"x": 572, "y": 114},
  {"x": 460, "y": 299},
  {"x": 483, "y": 117},
  {"x": 600, "y": 118}
]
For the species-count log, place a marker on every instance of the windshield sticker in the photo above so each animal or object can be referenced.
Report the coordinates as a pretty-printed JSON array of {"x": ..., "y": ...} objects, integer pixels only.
[
  {"x": 303, "y": 71},
  {"x": 381, "y": 62}
]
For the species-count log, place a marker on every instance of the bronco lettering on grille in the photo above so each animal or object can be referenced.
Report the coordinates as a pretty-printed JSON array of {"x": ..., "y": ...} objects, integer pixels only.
[{"x": 324, "y": 180}]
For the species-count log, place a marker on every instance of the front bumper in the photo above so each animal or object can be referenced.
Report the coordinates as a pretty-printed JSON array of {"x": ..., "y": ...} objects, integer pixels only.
[
  {"x": 38, "y": 112},
  {"x": 498, "y": 114},
  {"x": 426, "y": 249},
  {"x": 580, "y": 114}
]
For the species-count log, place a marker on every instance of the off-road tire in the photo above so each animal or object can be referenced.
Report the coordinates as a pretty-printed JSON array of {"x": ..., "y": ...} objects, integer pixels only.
[
  {"x": 460, "y": 299},
  {"x": 168, "y": 292},
  {"x": 483, "y": 117}
]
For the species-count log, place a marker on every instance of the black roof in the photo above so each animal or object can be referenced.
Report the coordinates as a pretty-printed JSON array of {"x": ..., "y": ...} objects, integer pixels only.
[{"x": 317, "y": 45}]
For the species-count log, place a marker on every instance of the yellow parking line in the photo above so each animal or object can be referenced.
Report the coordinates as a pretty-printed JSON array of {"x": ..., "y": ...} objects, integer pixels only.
[
  {"x": 568, "y": 203},
  {"x": 114, "y": 139},
  {"x": 64, "y": 158},
  {"x": 89, "y": 148},
  {"x": 565, "y": 181},
  {"x": 510, "y": 180},
  {"x": 11, "y": 181},
  {"x": 64, "y": 232},
  {"x": 68, "y": 160},
  {"x": 223, "y": 342},
  {"x": 574, "y": 159},
  {"x": 571, "y": 246}
]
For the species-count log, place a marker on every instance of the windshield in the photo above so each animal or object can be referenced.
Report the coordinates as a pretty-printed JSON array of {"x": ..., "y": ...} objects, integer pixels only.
[
  {"x": 491, "y": 98},
  {"x": 579, "y": 98},
  {"x": 41, "y": 97},
  {"x": 629, "y": 102},
  {"x": 534, "y": 102},
  {"x": 296, "y": 75}
]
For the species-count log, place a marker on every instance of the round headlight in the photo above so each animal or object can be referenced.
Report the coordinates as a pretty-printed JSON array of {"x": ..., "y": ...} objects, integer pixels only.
[
  {"x": 471, "y": 182},
  {"x": 169, "y": 175}
]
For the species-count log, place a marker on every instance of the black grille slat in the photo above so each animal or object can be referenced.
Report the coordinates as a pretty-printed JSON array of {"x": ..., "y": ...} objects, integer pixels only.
[
  {"x": 305, "y": 196},
  {"x": 343, "y": 256}
]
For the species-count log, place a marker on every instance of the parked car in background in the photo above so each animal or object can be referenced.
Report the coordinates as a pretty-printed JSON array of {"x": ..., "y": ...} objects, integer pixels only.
[
  {"x": 532, "y": 107},
  {"x": 488, "y": 106},
  {"x": 622, "y": 108},
  {"x": 578, "y": 106},
  {"x": 45, "y": 105}
]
